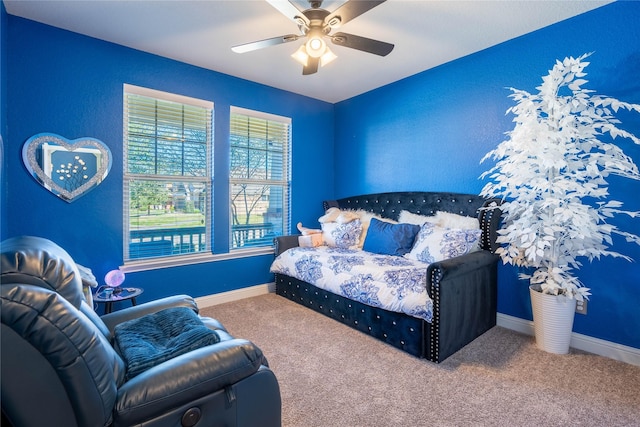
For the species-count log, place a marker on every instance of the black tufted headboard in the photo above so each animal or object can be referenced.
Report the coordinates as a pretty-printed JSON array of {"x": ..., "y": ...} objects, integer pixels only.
[{"x": 389, "y": 205}]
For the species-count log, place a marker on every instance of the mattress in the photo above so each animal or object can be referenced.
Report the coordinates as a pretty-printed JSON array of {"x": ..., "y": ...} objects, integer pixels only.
[{"x": 389, "y": 282}]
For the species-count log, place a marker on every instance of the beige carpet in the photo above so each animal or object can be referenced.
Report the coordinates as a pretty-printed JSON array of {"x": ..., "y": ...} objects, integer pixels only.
[{"x": 331, "y": 375}]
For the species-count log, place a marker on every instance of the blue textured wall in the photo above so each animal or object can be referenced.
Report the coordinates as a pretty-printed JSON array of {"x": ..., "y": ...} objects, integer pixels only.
[
  {"x": 429, "y": 132},
  {"x": 72, "y": 85},
  {"x": 3, "y": 118}
]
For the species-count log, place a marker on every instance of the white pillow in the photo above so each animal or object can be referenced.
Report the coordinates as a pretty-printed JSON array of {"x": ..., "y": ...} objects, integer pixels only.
[
  {"x": 434, "y": 243},
  {"x": 407, "y": 217},
  {"x": 342, "y": 235},
  {"x": 330, "y": 215},
  {"x": 451, "y": 220},
  {"x": 339, "y": 216},
  {"x": 347, "y": 216}
]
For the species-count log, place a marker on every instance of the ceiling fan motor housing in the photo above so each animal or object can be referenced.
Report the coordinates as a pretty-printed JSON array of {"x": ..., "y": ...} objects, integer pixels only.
[{"x": 316, "y": 24}]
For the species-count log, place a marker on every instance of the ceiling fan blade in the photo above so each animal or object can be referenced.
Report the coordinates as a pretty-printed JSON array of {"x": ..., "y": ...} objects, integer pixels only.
[
  {"x": 350, "y": 10},
  {"x": 362, "y": 43},
  {"x": 311, "y": 67},
  {"x": 290, "y": 11},
  {"x": 248, "y": 47}
]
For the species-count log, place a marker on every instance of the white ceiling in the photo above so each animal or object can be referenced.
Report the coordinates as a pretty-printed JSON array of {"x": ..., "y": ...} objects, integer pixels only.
[{"x": 425, "y": 33}]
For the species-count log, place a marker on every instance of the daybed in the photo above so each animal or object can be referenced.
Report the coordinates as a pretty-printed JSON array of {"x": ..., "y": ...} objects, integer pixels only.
[{"x": 462, "y": 289}]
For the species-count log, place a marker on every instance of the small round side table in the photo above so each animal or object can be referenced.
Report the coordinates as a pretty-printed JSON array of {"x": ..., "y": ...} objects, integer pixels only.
[{"x": 119, "y": 294}]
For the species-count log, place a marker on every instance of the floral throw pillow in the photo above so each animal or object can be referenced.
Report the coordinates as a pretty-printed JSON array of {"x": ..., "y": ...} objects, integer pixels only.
[
  {"x": 342, "y": 235},
  {"x": 434, "y": 243}
]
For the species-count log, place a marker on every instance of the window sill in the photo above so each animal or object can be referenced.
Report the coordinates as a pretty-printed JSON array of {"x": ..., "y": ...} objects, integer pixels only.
[{"x": 182, "y": 260}]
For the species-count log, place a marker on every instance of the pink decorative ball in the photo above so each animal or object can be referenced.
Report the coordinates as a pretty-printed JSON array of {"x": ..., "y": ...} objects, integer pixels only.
[{"x": 114, "y": 278}]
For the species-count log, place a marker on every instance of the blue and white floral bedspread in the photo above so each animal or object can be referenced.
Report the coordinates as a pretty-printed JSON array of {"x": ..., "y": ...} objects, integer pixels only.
[{"x": 389, "y": 282}]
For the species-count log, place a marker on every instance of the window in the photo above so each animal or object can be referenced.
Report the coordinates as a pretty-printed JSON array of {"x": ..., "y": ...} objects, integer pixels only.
[
  {"x": 258, "y": 178},
  {"x": 167, "y": 174}
]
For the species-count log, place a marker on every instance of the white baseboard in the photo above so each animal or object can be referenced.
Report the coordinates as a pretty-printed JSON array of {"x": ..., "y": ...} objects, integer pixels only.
[
  {"x": 238, "y": 294},
  {"x": 597, "y": 346}
]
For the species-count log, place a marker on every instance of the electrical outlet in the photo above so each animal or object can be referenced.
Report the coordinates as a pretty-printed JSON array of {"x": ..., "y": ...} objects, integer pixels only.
[{"x": 581, "y": 307}]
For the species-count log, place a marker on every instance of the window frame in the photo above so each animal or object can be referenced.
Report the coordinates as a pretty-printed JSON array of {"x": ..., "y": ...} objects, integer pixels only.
[
  {"x": 284, "y": 182},
  {"x": 138, "y": 264}
]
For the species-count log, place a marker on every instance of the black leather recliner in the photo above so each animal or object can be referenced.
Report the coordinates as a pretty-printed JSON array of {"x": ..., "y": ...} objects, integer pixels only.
[{"x": 60, "y": 366}]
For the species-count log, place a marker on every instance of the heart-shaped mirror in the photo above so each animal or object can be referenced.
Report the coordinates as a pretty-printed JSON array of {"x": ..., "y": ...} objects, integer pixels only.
[{"x": 67, "y": 168}]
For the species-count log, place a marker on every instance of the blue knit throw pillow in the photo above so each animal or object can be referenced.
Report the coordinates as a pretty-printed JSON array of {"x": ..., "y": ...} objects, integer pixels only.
[{"x": 155, "y": 338}]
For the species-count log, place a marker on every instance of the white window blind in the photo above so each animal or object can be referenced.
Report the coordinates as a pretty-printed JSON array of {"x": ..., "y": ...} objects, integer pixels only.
[
  {"x": 167, "y": 174},
  {"x": 258, "y": 177}
]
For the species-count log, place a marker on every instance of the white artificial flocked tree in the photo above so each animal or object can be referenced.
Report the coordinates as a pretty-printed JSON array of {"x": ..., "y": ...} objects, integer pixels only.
[{"x": 551, "y": 172}]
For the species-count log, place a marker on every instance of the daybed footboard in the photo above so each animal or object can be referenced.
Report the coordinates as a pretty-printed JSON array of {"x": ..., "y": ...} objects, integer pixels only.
[{"x": 464, "y": 294}]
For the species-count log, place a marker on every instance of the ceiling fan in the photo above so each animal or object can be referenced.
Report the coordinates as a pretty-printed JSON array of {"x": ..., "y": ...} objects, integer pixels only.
[{"x": 316, "y": 25}]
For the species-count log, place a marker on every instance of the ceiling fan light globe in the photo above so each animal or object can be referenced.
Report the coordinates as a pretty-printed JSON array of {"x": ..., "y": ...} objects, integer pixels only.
[
  {"x": 316, "y": 47},
  {"x": 327, "y": 57},
  {"x": 301, "y": 56}
]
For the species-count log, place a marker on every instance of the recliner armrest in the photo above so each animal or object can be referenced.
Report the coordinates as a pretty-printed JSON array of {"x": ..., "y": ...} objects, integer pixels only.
[{"x": 184, "y": 379}]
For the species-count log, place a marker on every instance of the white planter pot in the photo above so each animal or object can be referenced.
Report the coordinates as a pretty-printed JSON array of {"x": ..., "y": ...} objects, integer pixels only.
[{"x": 552, "y": 320}]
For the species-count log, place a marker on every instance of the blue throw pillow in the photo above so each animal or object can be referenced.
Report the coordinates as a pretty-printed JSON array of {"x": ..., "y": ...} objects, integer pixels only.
[
  {"x": 390, "y": 239},
  {"x": 154, "y": 338}
]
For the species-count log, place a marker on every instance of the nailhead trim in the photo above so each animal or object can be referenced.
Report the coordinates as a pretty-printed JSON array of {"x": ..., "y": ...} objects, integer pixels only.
[{"x": 411, "y": 340}]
